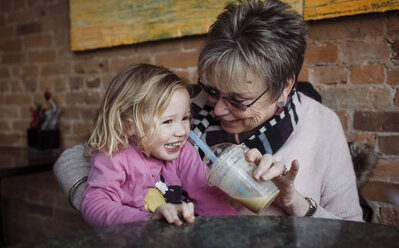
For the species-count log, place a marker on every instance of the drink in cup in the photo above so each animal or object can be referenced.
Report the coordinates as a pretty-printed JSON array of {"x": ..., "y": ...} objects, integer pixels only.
[{"x": 232, "y": 173}]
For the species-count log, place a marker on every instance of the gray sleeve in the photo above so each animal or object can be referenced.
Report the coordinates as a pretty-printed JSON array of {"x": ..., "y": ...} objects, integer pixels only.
[{"x": 71, "y": 170}]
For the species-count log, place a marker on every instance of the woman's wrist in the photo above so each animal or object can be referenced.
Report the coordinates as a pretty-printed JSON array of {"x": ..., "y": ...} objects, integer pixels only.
[{"x": 298, "y": 207}]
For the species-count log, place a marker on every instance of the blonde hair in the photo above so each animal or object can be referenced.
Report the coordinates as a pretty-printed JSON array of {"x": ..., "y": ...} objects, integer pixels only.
[{"x": 136, "y": 98}]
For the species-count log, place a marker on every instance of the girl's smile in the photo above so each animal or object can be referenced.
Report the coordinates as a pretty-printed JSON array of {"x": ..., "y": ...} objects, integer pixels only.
[{"x": 174, "y": 127}]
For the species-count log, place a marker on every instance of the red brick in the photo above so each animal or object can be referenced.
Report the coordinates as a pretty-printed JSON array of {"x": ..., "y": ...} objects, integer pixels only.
[
  {"x": 387, "y": 170},
  {"x": 396, "y": 99},
  {"x": 29, "y": 28},
  {"x": 56, "y": 69},
  {"x": 19, "y": 99},
  {"x": 343, "y": 116},
  {"x": 6, "y": 6},
  {"x": 193, "y": 42},
  {"x": 5, "y": 126},
  {"x": 4, "y": 87},
  {"x": 61, "y": 84},
  {"x": 18, "y": 4},
  {"x": 87, "y": 113},
  {"x": 90, "y": 67},
  {"x": 17, "y": 85},
  {"x": 93, "y": 83},
  {"x": 9, "y": 112},
  {"x": 393, "y": 75},
  {"x": 347, "y": 28},
  {"x": 88, "y": 98},
  {"x": 357, "y": 97},
  {"x": 324, "y": 53},
  {"x": 359, "y": 52},
  {"x": 29, "y": 85},
  {"x": 304, "y": 74},
  {"x": 12, "y": 58},
  {"x": 70, "y": 113},
  {"x": 16, "y": 71},
  {"x": 389, "y": 145},
  {"x": 180, "y": 60},
  {"x": 53, "y": 84},
  {"x": 61, "y": 39},
  {"x": 376, "y": 121},
  {"x": 10, "y": 139},
  {"x": 186, "y": 74},
  {"x": 81, "y": 128},
  {"x": 395, "y": 49},
  {"x": 7, "y": 31},
  {"x": 42, "y": 56},
  {"x": 393, "y": 24},
  {"x": 93, "y": 98},
  {"x": 11, "y": 45},
  {"x": 30, "y": 71},
  {"x": 20, "y": 126},
  {"x": 18, "y": 16},
  {"x": 2, "y": 19},
  {"x": 37, "y": 41},
  {"x": 381, "y": 192},
  {"x": 389, "y": 215},
  {"x": 329, "y": 75},
  {"x": 4, "y": 72},
  {"x": 365, "y": 138},
  {"x": 117, "y": 64},
  {"x": 366, "y": 74},
  {"x": 76, "y": 82},
  {"x": 159, "y": 47}
]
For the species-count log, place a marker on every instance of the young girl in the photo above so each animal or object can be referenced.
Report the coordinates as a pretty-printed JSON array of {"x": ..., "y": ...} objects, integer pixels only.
[{"x": 141, "y": 165}]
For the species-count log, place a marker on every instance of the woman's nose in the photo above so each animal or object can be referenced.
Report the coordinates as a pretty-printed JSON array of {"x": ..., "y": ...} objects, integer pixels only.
[{"x": 220, "y": 107}]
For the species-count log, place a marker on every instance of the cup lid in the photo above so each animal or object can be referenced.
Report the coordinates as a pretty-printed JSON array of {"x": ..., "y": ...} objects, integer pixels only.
[{"x": 219, "y": 150}]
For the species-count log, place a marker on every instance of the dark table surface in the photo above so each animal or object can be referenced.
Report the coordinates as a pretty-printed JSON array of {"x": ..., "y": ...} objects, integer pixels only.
[
  {"x": 16, "y": 161},
  {"x": 233, "y": 231}
]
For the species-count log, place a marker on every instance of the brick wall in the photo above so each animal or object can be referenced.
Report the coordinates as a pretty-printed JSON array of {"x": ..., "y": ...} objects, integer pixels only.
[
  {"x": 354, "y": 64},
  {"x": 352, "y": 61}
]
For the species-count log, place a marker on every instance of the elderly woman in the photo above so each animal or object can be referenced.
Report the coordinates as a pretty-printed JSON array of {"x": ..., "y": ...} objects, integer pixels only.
[{"x": 247, "y": 74}]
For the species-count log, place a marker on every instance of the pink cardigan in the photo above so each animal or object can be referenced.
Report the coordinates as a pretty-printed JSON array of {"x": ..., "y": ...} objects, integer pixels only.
[{"x": 116, "y": 188}]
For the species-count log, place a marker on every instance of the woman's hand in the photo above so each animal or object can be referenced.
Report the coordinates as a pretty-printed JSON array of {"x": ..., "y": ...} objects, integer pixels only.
[
  {"x": 269, "y": 169},
  {"x": 171, "y": 213}
]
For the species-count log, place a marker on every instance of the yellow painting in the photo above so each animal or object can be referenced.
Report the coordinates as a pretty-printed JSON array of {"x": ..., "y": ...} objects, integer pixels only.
[
  {"x": 321, "y": 9},
  {"x": 107, "y": 23}
]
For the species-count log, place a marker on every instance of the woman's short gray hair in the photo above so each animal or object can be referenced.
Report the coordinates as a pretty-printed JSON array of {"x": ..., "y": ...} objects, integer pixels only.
[{"x": 267, "y": 38}]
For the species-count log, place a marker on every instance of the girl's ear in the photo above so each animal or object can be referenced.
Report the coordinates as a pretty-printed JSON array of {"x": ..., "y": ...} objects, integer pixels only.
[{"x": 130, "y": 128}]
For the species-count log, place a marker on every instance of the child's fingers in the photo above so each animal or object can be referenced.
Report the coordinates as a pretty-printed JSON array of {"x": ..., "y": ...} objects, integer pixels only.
[
  {"x": 188, "y": 212},
  {"x": 170, "y": 213}
]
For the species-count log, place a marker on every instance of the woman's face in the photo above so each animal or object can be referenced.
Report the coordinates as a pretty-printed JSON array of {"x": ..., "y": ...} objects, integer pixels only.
[{"x": 234, "y": 120}]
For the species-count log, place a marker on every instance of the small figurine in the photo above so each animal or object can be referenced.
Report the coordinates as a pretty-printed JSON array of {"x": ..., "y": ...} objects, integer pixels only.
[
  {"x": 45, "y": 119},
  {"x": 50, "y": 115}
]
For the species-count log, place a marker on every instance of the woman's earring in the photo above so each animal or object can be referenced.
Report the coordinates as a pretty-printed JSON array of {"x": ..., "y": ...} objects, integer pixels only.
[{"x": 280, "y": 104}]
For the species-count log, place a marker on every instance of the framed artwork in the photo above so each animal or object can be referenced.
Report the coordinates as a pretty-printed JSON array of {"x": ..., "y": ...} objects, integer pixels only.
[{"x": 106, "y": 23}]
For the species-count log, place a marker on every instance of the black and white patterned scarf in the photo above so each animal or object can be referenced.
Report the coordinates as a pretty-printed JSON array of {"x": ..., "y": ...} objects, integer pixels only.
[{"x": 268, "y": 137}]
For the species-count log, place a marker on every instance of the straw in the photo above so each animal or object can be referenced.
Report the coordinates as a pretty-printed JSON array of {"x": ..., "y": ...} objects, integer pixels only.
[{"x": 208, "y": 152}]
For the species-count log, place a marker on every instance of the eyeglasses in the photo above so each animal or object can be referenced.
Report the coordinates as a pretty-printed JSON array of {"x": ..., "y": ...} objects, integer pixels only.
[{"x": 214, "y": 93}]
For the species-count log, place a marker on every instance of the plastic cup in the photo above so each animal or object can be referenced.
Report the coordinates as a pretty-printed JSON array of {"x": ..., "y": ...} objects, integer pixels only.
[{"x": 232, "y": 173}]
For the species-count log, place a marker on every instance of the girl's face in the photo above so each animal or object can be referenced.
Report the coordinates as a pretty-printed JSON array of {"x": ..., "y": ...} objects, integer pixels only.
[
  {"x": 236, "y": 121},
  {"x": 174, "y": 127}
]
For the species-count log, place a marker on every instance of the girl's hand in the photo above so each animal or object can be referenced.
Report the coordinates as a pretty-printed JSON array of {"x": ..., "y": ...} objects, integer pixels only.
[
  {"x": 269, "y": 169},
  {"x": 171, "y": 213}
]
